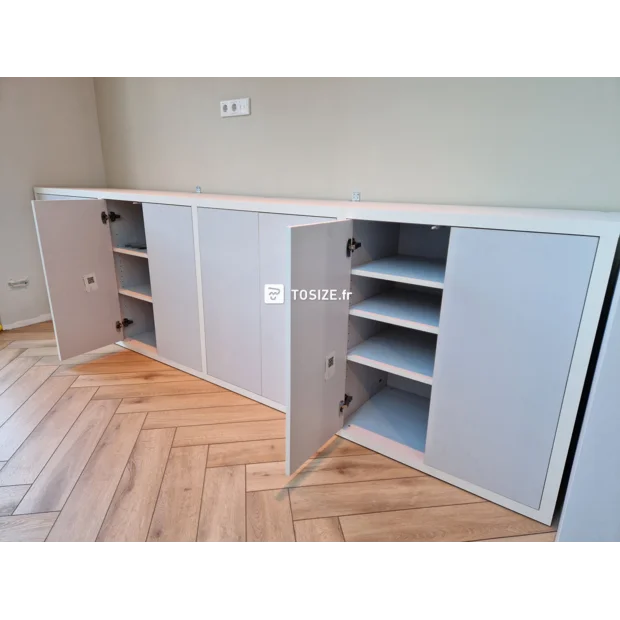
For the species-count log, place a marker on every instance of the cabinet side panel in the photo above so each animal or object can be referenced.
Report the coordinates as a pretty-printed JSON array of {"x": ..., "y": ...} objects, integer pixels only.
[
  {"x": 229, "y": 259},
  {"x": 172, "y": 267},
  {"x": 273, "y": 240},
  {"x": 510, "y": 315}
]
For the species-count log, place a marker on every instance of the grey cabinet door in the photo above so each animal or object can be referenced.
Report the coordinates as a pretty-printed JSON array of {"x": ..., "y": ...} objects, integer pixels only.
[
  {"x": 317, "y": 337},
  {"x": 510, "y": 314},
  {"x": 172, "y": 266},
  {"x": 229, "y": 261},
  {"x": 273, "y": 240},
  {"x": 78, "y": 263}
]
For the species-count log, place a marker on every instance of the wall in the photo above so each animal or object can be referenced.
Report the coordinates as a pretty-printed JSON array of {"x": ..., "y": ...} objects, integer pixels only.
[
  {"x": 502, "y": 142},
  {"x": 48, "y": 136}
]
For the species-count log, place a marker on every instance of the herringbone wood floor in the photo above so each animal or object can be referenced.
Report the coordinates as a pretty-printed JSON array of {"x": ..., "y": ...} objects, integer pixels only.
[{"x": 115, "y": 446}]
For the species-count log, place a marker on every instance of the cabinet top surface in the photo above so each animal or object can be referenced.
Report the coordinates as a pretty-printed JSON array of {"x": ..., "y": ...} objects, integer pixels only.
[{"x": 543, "y": 220}]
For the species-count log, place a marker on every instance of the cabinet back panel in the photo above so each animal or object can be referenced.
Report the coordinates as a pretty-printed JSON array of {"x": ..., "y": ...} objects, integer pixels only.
[
  {"x": 379, "y": 240},
  {"x": 510, "y": 314},
  {"x": 130, "y": 227},
  {"x": 419, "y": 240},
  {"x": 229, "y": 258}
]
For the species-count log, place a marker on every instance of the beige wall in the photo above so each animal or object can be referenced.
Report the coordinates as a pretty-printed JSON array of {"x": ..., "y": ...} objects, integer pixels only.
[
  {"x": 48, "y": 136},
  {"x": 520, "y": 142}
]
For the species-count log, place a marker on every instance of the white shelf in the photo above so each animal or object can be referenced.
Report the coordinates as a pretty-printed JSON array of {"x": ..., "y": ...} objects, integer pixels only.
[
  {"x": 404, "y": 308},
  {"x": 402, "y": 352},
  {"x": 138, "y": 291},
  {"x": 393, "y": 422},
  {"x": 131, "y": 252},
  {"x": 145, "y": 341},
  {"x": 406, "y": 269}
]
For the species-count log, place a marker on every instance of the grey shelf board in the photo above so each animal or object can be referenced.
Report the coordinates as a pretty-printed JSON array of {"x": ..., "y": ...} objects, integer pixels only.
[
  {"x": 138, "y": 291},
  {"x": 406, "y": 269}
]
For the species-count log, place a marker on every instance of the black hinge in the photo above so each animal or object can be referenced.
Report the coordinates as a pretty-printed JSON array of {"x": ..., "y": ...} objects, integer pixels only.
[
  {"x": 112, "y": 217},
  {"x": 352, "y": 245},
  {"x": 346, "y": 402},
  {"x": 123, "y": 323}
]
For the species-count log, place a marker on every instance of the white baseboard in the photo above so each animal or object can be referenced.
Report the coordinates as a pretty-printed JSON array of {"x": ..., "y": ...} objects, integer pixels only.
[{"x": 37, "y": 319}]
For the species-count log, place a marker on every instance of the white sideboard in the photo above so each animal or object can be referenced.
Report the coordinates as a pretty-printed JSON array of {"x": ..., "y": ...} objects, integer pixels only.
[{"x": 460, "y": 347}]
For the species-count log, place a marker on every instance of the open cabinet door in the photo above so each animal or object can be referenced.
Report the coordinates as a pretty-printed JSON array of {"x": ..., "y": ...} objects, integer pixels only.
[
  {"x": 78, "y": 264},
  {"x": 318, "y": 333}
]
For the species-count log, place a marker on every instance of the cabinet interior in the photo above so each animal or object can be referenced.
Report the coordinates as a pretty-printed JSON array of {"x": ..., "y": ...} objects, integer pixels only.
[
  {"x": 132, "y": 272},
  {"x": 396, "y": 282}
]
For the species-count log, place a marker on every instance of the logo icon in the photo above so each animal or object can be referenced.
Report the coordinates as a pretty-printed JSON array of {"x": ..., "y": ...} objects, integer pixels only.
[{"x": 274, "y": 293}]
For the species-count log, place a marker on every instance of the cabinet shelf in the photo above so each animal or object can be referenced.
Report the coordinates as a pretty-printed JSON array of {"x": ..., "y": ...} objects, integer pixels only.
[
  {"x": 145, "y": 341},
  {"x": 404, "y": 308},
  {"x": 394, "y": 420},
  {"x": 131, "y": 252},
  {"x": 401, "y": 352},
  {"x": 138, "y": 291},
  {"x": 406, "y": 269}
]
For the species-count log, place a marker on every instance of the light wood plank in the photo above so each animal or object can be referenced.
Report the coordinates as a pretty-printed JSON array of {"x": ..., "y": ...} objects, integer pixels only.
[
  {"x": 3, "y": 344},
  {"x": 11, "y": 336},
  {"x": 222, "y": 517},
  {"x": 337, "y": 446},
  {"x": 218, "y": 398},
  {"x": 269, "y": 517},
  {"x": 14, "y": 370},
  {"x": 101, "y": 358},
  {"x": 192, "y": 385},
  {"x": 8, "y": 355},
  {"x": 548, "y": 537},
  {"x": 318, "y": 530},
  {"x": 26, "y": 528},
  {"x": 83, "y": 514},
  {"x": 445, "y": 523},
  {"x": 178, "y": 506},
  {"x": 30, "y": 344},
  {"x": 53, "y": 486},
  {"x": 17, "y": 428},
  {"x": 39, "y": 352},
  {"x": 131, "y": 510},
  {"x": 379, "y": 495},
  {"x": 128, "y": 378},
  {"x": 263, "y": 476},
  {"x": 96, "y": 368},
  {"x": 244, "y": 452},
  {"x": 22, "y": 390},
  {"x": 228, "y": 433},
  {"x": 43, "y": 326},
  {"x": 30, "y": 459},
  {"x": 10, "y": 497},
  {"x": 211, "y": 415}
]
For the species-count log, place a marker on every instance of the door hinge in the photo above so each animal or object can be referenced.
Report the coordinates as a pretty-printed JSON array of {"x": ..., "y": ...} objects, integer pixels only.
[
  {"x": 123, "y": 323},
  {"x": 112, "y": 217},
  {"x": 353, "y": 245},
  {"x": 345, "y": 403}
]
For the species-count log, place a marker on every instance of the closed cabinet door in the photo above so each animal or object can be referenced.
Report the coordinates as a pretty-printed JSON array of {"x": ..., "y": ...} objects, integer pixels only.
[
  {"x": 229, "y": 258},
  {"x": 174, "y": 287},
  {"x": 510, "y": 315},
  {"x": 274, "y": 239}
]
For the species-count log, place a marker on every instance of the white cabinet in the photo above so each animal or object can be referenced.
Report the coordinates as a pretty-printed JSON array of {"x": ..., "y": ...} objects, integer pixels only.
[
  {"x": 172, "y": 264},
  {"x": 460, "y": 348},
  {"x": 229, "y": 258},
  {"x": 273, "y": 246}
]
